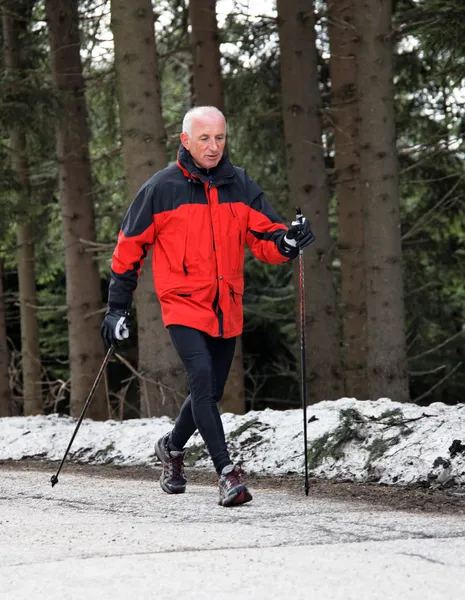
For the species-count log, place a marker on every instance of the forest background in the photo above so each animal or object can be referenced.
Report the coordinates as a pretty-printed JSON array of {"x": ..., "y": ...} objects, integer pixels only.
[{"x": 351, "y": 109}]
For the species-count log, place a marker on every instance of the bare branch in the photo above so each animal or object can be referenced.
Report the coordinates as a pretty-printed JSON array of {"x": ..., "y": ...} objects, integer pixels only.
[
  {"x": 143, "y": 378},
  {"x": 441, "y": 345},
  {"x": 428, "y": 216},
  {"x": 429, "y": 372},
  {"x": 447, "y": 376}
]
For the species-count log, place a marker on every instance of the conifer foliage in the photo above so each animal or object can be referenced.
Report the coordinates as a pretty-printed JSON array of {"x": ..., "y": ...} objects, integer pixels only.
[{"x": 351, "y": 109}]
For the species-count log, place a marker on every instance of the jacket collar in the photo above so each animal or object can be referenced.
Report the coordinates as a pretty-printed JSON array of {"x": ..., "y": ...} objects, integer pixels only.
[{"x": 222, "y": 174}]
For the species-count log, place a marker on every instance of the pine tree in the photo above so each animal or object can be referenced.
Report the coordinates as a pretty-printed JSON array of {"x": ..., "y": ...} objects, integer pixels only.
[
  {"x": 5, "y": 391},
  {"x": 83, "y": 295},
  {"x": 344, "y": 123},
  {"x": 15, "y": 16},
  {"x": 207, "y": 80},
  {"x": 308, "y": 189},
  {"x": 387, "y": 368},
  {"x": 208, "y": 91},
  {"x": 143, "y": 138}
]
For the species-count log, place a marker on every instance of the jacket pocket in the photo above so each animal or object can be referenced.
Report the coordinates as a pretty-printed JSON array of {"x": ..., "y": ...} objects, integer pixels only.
[
  {"x": 235, "y": 250},
  {"x": 236, "y": 288},
  {"x": 234, "y": 310}
]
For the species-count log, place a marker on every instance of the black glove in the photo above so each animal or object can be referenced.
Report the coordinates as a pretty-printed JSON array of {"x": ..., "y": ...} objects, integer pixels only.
[
  {"x": 298, "y": 235},
  {"x": 115, "y": 326}
]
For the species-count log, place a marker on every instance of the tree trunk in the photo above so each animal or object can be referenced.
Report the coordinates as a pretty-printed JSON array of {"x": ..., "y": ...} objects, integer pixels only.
[
  {"x": 25, "y": 254},
  {"x": 308, "y": 189},
  {"x": 344, "y": 116},
  {"x": 208, "y": 91},
  {"x": 5, "y": 391},
  {"x": 30, "y": 350},
  {"x": 207, "y": 80},
  {"x": 143, "y": 139},
  {"x": 83, "y": 295},
  {"x": 387, "y": 372},
  {"x": 233, "y": 400}
]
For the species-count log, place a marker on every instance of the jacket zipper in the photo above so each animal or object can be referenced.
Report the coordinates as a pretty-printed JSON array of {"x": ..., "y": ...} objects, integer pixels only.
[
  {"x": 216, "y": 305},
  {"x": 209, "y": 208},
  {"x": 191, "y": 185}
]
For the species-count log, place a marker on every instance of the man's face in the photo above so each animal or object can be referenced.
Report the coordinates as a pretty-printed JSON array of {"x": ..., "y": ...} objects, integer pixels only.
[{"x": 207, "y": 140}]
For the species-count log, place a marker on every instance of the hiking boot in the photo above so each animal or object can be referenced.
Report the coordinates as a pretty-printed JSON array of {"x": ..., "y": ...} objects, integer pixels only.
[
  {"x": 172, "y": 478},
  {"x": 232, "y": 491}
]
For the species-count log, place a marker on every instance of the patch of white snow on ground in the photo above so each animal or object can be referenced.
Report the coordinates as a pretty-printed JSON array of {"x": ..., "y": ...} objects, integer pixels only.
[{"x": 383, "y": 441}]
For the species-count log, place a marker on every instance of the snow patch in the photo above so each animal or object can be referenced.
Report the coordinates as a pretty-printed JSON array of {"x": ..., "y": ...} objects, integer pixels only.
[{"x": 381, "y": 441}]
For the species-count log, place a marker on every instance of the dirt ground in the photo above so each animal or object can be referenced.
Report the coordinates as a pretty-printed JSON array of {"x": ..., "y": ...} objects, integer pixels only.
[{"x": 414, "y": 499}]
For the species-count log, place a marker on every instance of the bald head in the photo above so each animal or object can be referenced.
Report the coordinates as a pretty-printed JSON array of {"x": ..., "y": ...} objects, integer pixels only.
[
  {"x": 204, "y": 135},
  {"x": 200, "y": 112}
]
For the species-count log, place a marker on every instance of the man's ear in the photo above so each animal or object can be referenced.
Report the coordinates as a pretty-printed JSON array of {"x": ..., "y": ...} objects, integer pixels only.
[{"x": 185, "y": 140}]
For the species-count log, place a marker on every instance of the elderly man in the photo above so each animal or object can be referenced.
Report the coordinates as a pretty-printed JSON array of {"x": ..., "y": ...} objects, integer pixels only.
[{"x": 198, "y": 215}]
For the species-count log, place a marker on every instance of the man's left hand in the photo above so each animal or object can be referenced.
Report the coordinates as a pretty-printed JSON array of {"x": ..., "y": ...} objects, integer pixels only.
[{"x": 299, "y": 234}]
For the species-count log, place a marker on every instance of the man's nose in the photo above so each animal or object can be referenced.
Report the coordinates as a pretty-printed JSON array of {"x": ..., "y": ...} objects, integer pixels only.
[{"x": 213, "y": 145}]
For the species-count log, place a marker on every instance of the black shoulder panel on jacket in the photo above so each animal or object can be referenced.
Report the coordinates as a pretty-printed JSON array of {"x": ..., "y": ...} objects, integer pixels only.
[
  {"x": 139, "y": 215},
  {"x": 166, "y": 190},
  {"x": 254, "y": 195}
]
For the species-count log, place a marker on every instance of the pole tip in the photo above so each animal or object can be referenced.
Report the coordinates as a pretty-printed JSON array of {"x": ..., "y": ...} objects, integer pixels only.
[{"x": 53, "y": 480}]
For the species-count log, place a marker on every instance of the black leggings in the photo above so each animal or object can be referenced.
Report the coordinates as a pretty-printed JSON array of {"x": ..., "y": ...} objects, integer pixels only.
[{"x": 207, "y": 361}]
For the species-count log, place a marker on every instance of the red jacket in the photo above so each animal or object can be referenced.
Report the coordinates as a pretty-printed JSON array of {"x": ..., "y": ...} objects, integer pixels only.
[{"x": 198, "y": 223}]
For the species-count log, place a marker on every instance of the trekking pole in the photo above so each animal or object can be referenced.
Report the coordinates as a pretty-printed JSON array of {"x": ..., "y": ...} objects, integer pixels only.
[
  {"x": 303, "y": 351},
  {"x": 54, "y": 478}
]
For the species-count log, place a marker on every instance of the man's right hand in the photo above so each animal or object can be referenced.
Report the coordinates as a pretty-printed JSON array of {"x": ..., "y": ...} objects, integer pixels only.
[{"x": 115, "y": 326}]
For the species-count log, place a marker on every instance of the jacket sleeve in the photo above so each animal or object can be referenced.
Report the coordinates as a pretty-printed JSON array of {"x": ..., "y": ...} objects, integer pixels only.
[
  {"x": 265, "y": 230},
  {"x": 136, "y": 237}
]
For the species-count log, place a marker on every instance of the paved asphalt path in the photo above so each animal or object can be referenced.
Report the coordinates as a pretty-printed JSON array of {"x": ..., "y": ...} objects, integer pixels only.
[{"x": 113, "y": 538}]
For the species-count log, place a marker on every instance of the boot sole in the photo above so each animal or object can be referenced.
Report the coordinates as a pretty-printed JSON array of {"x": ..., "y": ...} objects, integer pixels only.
[
  {"x": 171, "y": 490},
  {"x": 242, "y": 496}
]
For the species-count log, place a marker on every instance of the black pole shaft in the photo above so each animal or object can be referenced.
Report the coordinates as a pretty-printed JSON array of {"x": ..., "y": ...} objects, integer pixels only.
[
  {"x": 303, "y": 354},
  {"x": 54, "y": 478}
]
